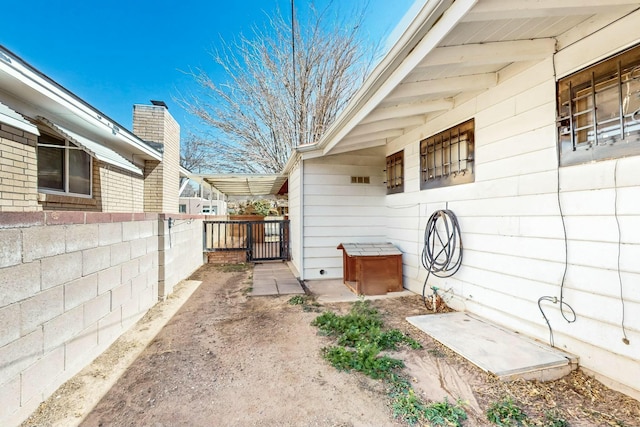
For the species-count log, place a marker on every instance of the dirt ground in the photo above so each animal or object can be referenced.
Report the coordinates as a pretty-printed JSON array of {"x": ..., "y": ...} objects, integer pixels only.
[{"x": 227, "y": 359}]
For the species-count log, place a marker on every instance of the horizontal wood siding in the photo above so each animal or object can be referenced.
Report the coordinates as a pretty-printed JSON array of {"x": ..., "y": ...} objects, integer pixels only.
[
  {"x": 295, "y": 218},
  {"x": 337, "y": 211},
  {"x": 511, "y": 224}
]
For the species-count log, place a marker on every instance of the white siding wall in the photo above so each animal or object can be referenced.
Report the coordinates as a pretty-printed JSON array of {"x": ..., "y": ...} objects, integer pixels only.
[
  {"x": 295, "y": 219},
  {"x": 512, "y": 229},
  {"x": 336, "y": 211}
]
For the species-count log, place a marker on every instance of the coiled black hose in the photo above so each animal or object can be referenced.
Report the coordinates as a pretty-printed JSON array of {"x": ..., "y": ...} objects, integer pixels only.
[{"x": 442, "y": 250}]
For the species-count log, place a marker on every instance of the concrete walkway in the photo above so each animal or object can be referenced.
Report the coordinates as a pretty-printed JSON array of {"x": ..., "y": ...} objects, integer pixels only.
[{"x": 274, "y": 278}]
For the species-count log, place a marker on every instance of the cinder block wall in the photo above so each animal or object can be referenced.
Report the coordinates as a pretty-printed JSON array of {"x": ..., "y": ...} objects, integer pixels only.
[
  {"x": 180, "y": 250},
  {"x": 18, "y": 170},
  {"x": 71, "y": 283}
]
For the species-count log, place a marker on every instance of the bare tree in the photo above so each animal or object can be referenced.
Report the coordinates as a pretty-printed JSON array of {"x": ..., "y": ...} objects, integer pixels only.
[
  {"x": 196, "y": 154},
  {"x": 265, "y": 108}
]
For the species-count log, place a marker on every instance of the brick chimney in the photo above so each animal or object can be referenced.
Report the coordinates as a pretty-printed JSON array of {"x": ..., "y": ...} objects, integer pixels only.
[{"x": 154, "y": 125}]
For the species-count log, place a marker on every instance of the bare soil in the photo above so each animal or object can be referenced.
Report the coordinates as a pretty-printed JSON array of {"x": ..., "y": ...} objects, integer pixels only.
[{"x": 227, "y": 359}]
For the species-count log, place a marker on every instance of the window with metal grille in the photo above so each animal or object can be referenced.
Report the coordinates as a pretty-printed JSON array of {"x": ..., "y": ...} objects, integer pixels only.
[
  {"x": 447, "y": 157},
  {"x": 395, "y": 172},
  {"x": 599, "y": 110}
]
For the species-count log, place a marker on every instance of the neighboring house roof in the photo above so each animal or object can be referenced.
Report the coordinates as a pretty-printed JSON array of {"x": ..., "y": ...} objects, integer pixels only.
[
  {"x": 452, "y": 51},
  {"x": 246, "y": 184},
  {"x": 25, "y": 89}
]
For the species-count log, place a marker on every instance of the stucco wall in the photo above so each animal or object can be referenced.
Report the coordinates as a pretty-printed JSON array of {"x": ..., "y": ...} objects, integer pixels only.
[{"x": 73, "y": 282}]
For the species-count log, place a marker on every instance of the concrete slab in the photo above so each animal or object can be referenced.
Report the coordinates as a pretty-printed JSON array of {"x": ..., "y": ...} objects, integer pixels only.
[
  {"x": 503, "y": 353},
  {"x": 333, "y": 290},
  {"x": 274, "y": 279}
]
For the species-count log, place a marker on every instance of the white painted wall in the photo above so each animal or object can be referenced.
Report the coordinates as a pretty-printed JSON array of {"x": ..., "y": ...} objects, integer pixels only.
[
  {"x": 511, "y": 224},
  {"x": 295, "y": 217},
  {"x": 336, "y": 211}
]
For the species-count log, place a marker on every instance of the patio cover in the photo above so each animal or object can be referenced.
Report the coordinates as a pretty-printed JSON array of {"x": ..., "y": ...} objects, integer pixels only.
[{"x": 247, "y": 184}]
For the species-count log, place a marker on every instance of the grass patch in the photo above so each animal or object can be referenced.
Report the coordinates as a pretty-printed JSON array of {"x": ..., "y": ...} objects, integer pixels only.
[
  {"x": 361, "y": 337},
  {"x": 506, "y": 413}
]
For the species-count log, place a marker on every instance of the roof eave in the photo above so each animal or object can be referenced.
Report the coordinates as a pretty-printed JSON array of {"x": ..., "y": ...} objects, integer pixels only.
[
  {"x": 47, "y": 87},
  {"x": 396, "y": 65}
]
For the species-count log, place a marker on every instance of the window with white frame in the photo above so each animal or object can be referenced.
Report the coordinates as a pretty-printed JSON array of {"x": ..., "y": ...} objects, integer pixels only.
[
  {"x": 63, "y": 167},
  {"x": 599, "y": 110},
  {"x": 446, "y": 158}
]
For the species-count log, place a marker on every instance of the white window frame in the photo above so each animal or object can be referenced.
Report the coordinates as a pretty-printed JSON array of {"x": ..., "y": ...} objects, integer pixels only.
[{"x": 67, "y": 148}]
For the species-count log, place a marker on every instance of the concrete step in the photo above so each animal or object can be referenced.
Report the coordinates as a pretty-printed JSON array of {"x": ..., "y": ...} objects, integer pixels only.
[{"x": 506, "y": 354}]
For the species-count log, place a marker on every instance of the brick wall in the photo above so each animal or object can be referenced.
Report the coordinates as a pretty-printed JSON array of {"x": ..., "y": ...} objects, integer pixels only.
[
  {"x": 18, "y": 170},
  {"x": 117, "y": 190},
  {"x": 161, "y": 180},
  {"x": 226, "y": 257},
  {"x": 71, "y": 283}
]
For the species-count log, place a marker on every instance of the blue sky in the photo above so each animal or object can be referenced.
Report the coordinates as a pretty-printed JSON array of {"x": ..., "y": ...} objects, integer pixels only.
[{"x": 117, "y": 53}]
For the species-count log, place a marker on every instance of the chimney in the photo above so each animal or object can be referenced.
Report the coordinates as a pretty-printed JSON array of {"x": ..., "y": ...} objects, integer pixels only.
[{"x": 154, "y": 125}]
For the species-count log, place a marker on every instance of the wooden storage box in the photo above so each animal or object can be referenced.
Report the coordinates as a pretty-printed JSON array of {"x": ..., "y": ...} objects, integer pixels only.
[{"x": 371, "y": 268}]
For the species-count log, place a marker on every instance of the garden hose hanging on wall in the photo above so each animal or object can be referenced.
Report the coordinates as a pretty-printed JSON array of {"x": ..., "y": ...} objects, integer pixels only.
[{"x": 445, "y": 259}]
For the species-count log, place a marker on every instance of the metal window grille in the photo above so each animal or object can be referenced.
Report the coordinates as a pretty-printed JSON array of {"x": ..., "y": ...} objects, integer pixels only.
[
  {"x": 395, "y": 171},
  {"x": 447, "y": 157},
  {"x": 599, "y": 110}
]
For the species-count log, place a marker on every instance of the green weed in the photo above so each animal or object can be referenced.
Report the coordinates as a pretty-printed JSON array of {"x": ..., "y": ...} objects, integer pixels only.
[
  {"x": 445, "y": 413},
  {"x": 363, "y": 359},
  {"x": 360, "y": 337},
  {"x": 506, "y": 413},
  {"x": 297, "y": 300},
  {"x": 554, "y": 419}
]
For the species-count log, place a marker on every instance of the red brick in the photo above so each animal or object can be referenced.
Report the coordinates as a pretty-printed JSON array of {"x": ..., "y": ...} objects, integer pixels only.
[
  {"x": 21, "y": 219},
  {"x": 64, "y": 217},
  {"x": 121, "y": 217},
  {"x": 139, "y": 216},
  {"x": 98, "y": 217}
]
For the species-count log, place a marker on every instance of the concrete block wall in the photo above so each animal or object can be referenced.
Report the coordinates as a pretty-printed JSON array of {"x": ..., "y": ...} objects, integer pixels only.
[
  {"x": 70, "y": 284},
  {"x": 18, "y": 170},
  {"x": 180, "y": 249}
]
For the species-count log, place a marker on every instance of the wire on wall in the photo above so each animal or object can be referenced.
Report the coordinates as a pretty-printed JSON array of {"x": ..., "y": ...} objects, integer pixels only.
[
  {"x": 572, "y": 318},
  {"x": 625, "y": 339},
  {"x": 563, "y": 304}
]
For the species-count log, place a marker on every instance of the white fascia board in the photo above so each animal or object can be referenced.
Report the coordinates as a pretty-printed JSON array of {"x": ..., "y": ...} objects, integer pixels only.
[
  {"x": 19, "y": 70},
  {"x": 14, "y": 119},
  {"x": 438, "y": 18}
]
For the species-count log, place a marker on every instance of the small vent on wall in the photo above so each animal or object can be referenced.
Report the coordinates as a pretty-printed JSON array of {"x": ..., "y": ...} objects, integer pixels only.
[{"x": 360, "y": 180}]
